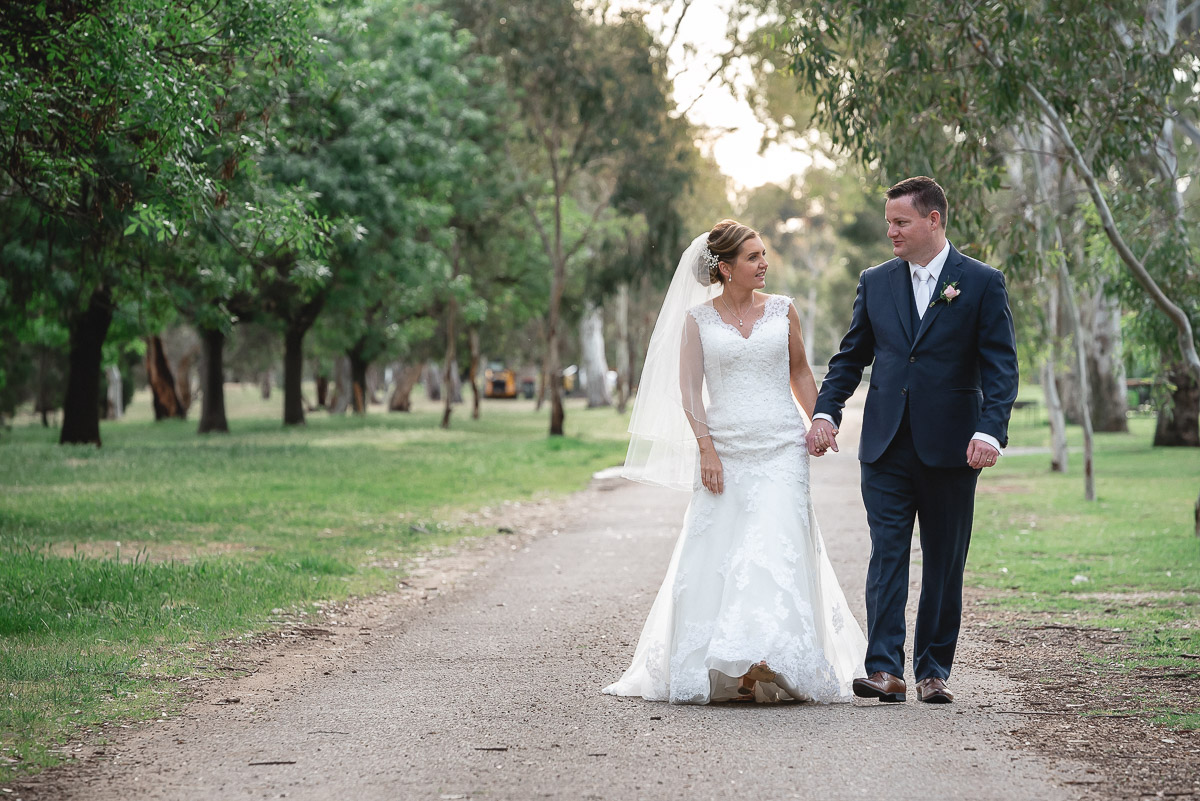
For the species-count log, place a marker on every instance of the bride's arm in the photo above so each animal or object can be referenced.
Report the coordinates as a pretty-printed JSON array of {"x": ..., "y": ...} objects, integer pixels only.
[
  {"x": 804, "y": 386},
  {"x": 691, "y": 388},
  {"x": 691, "y": 379}
]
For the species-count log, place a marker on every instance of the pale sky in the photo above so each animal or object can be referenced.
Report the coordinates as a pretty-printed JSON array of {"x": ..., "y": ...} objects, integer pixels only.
[{"x": 736, "y": 150}]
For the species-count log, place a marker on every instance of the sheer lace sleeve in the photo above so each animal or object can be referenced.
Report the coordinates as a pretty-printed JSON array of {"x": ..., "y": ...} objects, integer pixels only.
[{"x": 691, "y": 377}]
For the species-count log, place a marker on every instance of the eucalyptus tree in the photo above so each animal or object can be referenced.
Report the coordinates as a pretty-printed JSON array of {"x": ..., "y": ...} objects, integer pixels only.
[
  {"x": 585, "y": 88},
  {"x": 106, "y": 111},
  {"x": 941, "y": 88}
]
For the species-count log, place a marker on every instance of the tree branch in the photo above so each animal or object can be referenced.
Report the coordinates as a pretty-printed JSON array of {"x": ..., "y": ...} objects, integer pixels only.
[
  {"x": 1183, "y": 122},
  {"x": 587, "y": 232},
  {"x": 687, "y": 4},
  {"x": 1184, "y": 333}
]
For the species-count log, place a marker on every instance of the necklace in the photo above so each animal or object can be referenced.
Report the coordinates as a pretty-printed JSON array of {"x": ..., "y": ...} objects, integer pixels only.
[{"x": 735, "y": 314}]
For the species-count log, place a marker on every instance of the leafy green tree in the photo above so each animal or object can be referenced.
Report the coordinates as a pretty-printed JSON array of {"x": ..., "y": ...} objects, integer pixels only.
[
  {"x": 936, "y": 93},
  {"x": 107, "y": 111},
  {"x": 383, "y": 143},
  {"x": 586, "y": 89}
]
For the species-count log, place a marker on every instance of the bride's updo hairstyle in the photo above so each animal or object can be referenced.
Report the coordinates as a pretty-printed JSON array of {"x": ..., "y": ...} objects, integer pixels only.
[{"x": 724, "y": 241}]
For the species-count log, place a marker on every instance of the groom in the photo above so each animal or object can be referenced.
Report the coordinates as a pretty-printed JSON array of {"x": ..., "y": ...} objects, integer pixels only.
[{"x": 936, "y": 328}]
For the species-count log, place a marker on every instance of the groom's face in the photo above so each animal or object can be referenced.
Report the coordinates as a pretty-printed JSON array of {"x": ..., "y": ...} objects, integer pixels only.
[{"x": 913, "y": 236}]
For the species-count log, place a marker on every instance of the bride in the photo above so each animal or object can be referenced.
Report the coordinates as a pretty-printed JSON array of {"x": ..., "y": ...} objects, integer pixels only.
[{"x": 750, "y": 609}]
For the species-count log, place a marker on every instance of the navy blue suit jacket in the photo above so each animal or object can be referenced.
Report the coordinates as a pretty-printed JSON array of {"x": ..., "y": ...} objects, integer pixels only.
[{"x": 957, "y": 373}]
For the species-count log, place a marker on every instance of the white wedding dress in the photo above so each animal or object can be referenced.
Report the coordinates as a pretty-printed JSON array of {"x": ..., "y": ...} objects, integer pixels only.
[{"x": 749, "y": 579}]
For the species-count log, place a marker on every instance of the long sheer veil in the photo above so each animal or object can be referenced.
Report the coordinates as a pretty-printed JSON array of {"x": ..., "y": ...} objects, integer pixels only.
[{"x": 662, "y": 442}]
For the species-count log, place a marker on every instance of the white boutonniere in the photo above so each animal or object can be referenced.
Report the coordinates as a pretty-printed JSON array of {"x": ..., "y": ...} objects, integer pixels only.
[{"x": 949, "y": 293}]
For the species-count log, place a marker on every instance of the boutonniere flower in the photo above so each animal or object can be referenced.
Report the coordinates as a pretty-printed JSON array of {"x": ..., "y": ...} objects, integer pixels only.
[{"x": 949, "y": 293}]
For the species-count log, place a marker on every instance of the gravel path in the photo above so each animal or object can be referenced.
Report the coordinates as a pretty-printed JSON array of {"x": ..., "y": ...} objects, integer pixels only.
[{"x": 491, "y": 691}]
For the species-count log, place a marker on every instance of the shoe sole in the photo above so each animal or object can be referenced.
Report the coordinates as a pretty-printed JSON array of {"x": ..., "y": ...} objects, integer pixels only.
[
  {"x": 935, "y": 698},
  {"x": 871, "y": 692}
]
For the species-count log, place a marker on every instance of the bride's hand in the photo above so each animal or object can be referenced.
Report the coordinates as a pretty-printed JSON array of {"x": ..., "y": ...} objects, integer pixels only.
[{"x": 712, "y": 475}]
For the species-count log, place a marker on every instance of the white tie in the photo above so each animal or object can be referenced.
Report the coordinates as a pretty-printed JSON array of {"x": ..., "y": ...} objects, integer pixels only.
[{"x": 922, "y": 290}]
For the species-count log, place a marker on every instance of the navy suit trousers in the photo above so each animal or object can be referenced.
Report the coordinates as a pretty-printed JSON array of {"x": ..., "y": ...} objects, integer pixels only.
[{"x": 897, "y": 490}]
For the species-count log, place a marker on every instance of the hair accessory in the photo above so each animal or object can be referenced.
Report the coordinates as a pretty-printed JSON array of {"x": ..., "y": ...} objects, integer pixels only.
[{"x": 710, "y": 258}]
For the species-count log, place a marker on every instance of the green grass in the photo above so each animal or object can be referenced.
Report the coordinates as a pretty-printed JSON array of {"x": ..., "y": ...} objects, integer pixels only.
[
  {"x": 127, "y": 567},
  {"x": 1128, "y": 561},
  {"x": 1035, "y": 533}
]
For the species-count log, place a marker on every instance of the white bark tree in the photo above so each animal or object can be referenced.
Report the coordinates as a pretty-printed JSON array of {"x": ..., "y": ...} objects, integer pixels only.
[{"x": 595, "y": 362}]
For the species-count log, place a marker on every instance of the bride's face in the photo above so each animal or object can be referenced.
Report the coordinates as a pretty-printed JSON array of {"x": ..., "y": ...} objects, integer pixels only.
[{"x": 749, "y": 270}]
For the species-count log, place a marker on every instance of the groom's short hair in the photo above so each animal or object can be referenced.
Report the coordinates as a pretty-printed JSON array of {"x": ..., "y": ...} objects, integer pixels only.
[{"x": 926, "y": 195}]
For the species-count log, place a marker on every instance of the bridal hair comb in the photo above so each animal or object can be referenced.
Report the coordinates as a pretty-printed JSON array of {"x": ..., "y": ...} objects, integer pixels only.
[{"x": 706, "y": 267}]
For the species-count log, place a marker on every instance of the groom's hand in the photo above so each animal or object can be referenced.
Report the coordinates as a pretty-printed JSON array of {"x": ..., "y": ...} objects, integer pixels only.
[
  {"x": 821, "y": 437},
  {"x": 981, "y": 455}
]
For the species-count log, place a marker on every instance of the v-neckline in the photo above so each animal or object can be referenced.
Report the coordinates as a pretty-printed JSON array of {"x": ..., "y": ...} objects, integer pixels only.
[{"x": 753, "y": 326}]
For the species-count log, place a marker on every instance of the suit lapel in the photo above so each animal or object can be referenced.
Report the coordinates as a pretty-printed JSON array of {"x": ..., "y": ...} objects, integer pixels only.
[
  {"x": 902, "y": 294},
  {"x": 951, "y": 272}
]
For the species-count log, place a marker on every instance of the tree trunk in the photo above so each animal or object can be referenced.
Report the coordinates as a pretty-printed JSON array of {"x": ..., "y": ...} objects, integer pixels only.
[
  {"x": 406, "y": 379},
  {"x": 81, "y": 405},
  {"x": 473, "y": 371},
  {"x": 265, "y": 382},
  {"x": 624, "y": 348},
  {"x": 1178, "y": 423},
  {"x": 322, "y": 383},
  {"x": 375, "y": 383},
  {"x": 431, "y": 377},
  {"x": 1059, "y": 457},
  {"x": 358, "y": 377},
  {"x": 212, "y": 383},
  {"x": 1101, "y": 326},
  {"x": 1068, "y": 295},
  {"x": 558, "y": 285},
  {"x": 449, "y": 372},
  {"x": 342, "y": 391},
  {"x": 595, "y": 361},
  {"x": 162, "y": 382},
  {"x": 293, "y": 374},
  {"x": 183, "y": 384},
  {"x": 115, "y": 405},
  {"x": 1058, "y": 421},
  {"x": 298, "y": 324},
  {"x": 450, "y": 367},
  {"x": 1106, "y": 363},
  {"x": 44, "y": 403}
]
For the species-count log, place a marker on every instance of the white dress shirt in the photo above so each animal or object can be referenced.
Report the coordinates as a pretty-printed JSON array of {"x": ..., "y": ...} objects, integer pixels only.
[{"x": 935, "y": 270}]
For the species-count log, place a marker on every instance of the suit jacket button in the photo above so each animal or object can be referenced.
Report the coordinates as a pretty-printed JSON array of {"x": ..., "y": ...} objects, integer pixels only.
[
  {"x": 912, "y": 359},
  {"x": 904, "y": 391}
]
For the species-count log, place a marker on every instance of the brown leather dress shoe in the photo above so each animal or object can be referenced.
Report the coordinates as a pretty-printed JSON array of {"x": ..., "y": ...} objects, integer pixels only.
[
  {"x": 881, "y": 685},
  {"x": 933, "y": 691}
]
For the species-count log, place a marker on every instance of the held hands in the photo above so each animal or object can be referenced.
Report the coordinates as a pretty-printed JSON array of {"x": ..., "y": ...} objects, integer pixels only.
[
  {"x": 821, "y": 437},
  {"x": 712, "y": 475},
  {"x": 981, "y": 455}
]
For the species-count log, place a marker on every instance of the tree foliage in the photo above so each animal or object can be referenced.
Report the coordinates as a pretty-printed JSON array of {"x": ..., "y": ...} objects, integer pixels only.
[{"x": 939, "y": 89}]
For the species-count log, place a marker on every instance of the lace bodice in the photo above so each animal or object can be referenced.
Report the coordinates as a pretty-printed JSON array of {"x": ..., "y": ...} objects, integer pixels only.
[{"x": 751, "y": 414}]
